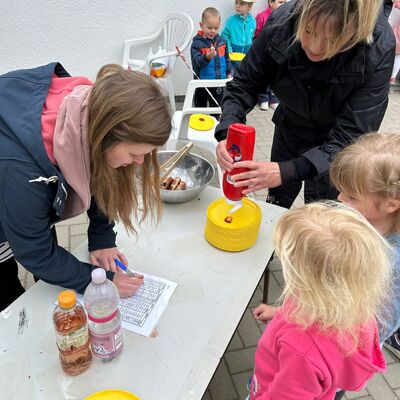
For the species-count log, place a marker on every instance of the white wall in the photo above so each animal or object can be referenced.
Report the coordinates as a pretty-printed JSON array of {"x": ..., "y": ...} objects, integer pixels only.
[{"x": 83, "y": 35}]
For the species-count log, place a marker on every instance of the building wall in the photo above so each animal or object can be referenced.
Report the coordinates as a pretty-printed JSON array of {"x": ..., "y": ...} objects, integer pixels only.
[{"x": 83, "y": 35}]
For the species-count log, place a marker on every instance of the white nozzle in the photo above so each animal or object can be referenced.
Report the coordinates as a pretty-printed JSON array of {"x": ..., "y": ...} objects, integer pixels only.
[{"x": 236, "y": 205}]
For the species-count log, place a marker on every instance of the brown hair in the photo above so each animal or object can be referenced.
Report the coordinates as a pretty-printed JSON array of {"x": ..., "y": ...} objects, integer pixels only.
[
  {"x": 342, "y": 17},
  {"x": 210, "y": 11},
  {"x": 126, "y": 106},
  {"x": 371, "y": 165}
]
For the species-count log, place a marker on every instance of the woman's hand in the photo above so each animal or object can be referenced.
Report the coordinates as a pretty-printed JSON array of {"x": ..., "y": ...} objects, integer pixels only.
[
  {"x": 265, "y": 312},
  {"x": 224, "y": 159},
  {"x": 260, "y": 175},
  {"x": 127, "y": 285},
  {"x": 104, "y": 258}
]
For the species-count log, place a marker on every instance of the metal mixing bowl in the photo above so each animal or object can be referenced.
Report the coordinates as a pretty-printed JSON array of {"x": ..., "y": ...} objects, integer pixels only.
[{"x": 195, "y": 170}]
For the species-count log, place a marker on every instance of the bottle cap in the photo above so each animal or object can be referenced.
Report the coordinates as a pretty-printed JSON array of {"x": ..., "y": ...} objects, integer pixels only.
[
  {"x": 66, "y": 299},
  {"x": 99, "y": 276}
]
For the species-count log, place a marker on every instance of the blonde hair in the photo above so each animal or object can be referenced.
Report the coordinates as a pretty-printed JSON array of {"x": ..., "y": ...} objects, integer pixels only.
[
  {"x": 126, "y": 106},
  {"x": 341, "y": 17},
  {"x": 336, "y": 269},
  {"x": 371, "y": 165},
  {"x": 210, "y": 11}
]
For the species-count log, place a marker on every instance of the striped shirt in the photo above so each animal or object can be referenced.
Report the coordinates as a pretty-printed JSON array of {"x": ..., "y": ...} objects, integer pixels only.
[{"x": 5, "y": 252}]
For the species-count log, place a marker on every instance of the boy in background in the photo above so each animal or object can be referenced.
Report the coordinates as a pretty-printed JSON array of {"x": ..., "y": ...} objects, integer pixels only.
[
  {"x": 210, "y": 58},
  {"x": 268, "y": 99},
  {"x": 240, "y": 27}
]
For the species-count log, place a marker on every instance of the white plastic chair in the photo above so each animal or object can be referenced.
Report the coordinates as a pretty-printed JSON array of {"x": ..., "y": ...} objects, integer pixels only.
[
  {"x": 176, "y": 30},
  {"x": 180, "y": 119}
]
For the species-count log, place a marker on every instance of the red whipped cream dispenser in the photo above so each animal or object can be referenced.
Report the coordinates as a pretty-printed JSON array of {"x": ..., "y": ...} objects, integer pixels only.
[{"x": 240, "y": 145}]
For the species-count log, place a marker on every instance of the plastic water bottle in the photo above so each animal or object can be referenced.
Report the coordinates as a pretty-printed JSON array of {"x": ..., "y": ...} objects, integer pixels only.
[
  {"x": 72, "y": 335},
  {"x": 240, "y": 145},
  {"x": 101, "y": 301}
]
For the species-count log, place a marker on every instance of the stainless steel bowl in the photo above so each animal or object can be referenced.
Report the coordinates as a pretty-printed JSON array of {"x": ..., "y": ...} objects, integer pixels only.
[{"x": 195, "y": 170}]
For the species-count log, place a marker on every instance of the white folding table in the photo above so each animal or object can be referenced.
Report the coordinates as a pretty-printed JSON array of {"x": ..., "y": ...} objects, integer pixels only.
[{"x": 214, "y": 289}]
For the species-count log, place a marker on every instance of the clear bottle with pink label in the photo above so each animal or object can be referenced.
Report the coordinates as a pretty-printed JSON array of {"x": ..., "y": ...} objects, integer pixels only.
[{"x": 101, "y": 300}]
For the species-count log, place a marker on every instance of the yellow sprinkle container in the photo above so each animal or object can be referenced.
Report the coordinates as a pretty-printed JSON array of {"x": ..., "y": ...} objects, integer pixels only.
[
  {"x": 232, "y": 232},
  {"x": 112, "y": 394},
  {"x": 236, "y": 56},
  {"x": 201, "y": 122}
]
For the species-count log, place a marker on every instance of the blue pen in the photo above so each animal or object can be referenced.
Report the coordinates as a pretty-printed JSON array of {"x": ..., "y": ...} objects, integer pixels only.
[{"x": 119, "y": 264}]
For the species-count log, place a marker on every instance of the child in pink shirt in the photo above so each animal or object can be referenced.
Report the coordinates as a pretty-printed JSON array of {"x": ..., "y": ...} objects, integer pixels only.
[
  {"x": 325, "y": 336},
  {"x": 267, "y": 99}
]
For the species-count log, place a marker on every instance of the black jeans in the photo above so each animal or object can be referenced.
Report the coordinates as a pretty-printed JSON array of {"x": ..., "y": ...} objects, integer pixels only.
[
  {"x": 10, "y": 285},
  {"x": 203, "y": 99},
  {"x": 315, "y": 189}
]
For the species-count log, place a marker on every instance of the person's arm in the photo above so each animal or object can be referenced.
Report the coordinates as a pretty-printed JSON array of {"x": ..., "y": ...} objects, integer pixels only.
[
  {"x": 226, "y": 34},
  {"x": 297, "y": 377},
  {"x": 362, "y": 112},
  {"x": 25, "y": 219},
  {"x": 228, "y": 62},
  {"x": 251, "y": 78}
]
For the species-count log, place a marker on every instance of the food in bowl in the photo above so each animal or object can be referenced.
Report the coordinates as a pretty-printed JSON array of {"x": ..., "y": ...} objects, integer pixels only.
[{"x": 173, "y": 184}]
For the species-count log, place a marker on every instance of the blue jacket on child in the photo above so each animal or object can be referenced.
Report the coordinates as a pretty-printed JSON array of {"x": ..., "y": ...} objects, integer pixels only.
[
  {"x": 239, "y": 32},
  {"x": 216, "y": 68}
]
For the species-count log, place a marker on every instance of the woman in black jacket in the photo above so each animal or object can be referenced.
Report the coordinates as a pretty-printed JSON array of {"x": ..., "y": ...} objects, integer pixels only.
[{"x": 329, "y": 63}]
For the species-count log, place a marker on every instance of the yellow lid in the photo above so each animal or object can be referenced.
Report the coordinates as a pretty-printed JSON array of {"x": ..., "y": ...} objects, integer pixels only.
[
  {"x": 235, "y": 56},
  {"x": 112, "y": 394},
  {"x": 201, "y": 122},
  {"x": 232, "y": 232},
  {"x": 66, "y": 299}
]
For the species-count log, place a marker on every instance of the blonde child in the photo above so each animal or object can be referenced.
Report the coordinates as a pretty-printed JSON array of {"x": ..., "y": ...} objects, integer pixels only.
[
  {"x": 367, "y": 175},
  {"x": 239, "y": 28},
  {"x": 325, "y": 335}
]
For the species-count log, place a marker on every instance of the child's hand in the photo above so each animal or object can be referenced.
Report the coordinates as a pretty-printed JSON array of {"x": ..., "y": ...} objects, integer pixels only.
[
  {"x": 265, "y": 312},
  {"x": 212, "y": 53}
]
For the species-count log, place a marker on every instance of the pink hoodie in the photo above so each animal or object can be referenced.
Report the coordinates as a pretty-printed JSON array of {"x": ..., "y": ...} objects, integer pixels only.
[{"x": 291, "y": 363}]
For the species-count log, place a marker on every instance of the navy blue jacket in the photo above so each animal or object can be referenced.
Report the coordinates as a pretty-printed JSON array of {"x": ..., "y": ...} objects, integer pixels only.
[
  {"x": 323, "y": 106},
  {"x": 216, "y": 68},
  {"x": 29, "y": 209}
]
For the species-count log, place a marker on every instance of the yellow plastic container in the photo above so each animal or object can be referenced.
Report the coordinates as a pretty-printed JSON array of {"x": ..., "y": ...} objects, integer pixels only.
[
  {"x": 201, "y": 122},
  {"x": 232, "y": 232},
  {"x": 236, "y": 57},
  {"x": 112, "y": 394}
]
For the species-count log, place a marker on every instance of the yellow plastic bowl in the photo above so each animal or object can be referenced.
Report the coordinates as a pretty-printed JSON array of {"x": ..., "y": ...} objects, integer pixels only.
[
  {"x": 240, "y": 233},
  {"x": 237, "y": 57},
  {"x": 112, "y": 394},
  {"x": 201, "y": 122}
]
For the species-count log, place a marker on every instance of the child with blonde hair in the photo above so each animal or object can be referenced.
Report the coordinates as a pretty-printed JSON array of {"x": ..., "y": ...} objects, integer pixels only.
[
  {"x": 367, "y": 175},
  {"x": 324, "y": 336}
]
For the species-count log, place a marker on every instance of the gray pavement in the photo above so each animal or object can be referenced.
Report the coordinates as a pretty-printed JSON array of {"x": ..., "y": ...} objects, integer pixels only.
[{"x": 230, "y": 379}]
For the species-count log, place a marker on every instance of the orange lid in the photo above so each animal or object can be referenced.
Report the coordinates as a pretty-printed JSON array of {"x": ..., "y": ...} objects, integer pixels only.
[{"x": 66, "y": 299}]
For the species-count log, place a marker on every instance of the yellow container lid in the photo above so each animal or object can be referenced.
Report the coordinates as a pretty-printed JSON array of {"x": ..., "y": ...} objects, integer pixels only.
[
  {"x": 112, "y": 394},
  {"x": 66, "y": 299},
  {"x": 232, "y": 232},
  {"x": 201, "y": 122},
  {"x": 235, "y": 56}
]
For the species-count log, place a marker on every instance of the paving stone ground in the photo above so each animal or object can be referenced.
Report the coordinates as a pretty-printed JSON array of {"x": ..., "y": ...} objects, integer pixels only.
[{"x": 229, "y": 381}]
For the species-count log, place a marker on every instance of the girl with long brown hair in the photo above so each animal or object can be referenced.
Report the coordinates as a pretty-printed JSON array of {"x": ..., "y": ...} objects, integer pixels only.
[{"x": 68, "y": 146}]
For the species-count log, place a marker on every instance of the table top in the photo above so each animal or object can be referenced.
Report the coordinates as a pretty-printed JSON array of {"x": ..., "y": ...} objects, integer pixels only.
[{"x": 214, "y": 288}]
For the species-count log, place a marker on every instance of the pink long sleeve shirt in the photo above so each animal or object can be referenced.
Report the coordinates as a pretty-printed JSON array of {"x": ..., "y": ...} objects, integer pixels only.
[
  {"x": 261, "y": 19},
  {"x": 294, "y": 364}
]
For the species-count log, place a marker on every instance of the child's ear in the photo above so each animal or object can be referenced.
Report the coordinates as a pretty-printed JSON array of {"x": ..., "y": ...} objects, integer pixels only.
[
  {"x": 392, "y": 205},
  {"x": 201, "y": 25}
]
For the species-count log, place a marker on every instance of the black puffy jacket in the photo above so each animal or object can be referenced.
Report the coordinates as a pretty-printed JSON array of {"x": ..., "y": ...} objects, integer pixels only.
[{"x": 325, "y": 105}]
